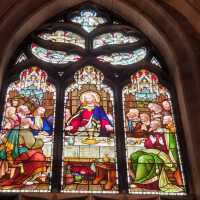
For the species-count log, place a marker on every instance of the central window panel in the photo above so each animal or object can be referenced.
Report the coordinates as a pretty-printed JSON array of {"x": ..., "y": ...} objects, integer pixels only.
[{"x": 89, "y": 155}]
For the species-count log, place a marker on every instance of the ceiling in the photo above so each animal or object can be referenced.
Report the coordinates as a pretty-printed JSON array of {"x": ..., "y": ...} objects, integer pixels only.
[{"x": 190, "y": 9}]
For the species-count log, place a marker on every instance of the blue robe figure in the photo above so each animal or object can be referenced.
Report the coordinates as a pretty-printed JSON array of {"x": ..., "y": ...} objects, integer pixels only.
[
  {"x": 44, "y": 124},
  {"x": 94, "y": 118}
]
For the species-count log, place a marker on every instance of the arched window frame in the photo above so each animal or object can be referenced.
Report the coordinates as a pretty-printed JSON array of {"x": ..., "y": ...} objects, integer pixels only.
[{"x": 116, "y": 76}]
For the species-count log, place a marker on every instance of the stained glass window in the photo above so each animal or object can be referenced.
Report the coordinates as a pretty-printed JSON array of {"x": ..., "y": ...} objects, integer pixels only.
[
  {"x": 88, "y": 19},
  {"x": 124, "y": 58},
  {"x": 89, "y": 55},
  {"x": 27, "y": 133},
  {"x": 64, "y": 37},
  {"x": 51, "y": 56},
  {"x": 113, "y": 38},
  {"x": 153, "y": 157},
  {"x": 89, "y": 157}
]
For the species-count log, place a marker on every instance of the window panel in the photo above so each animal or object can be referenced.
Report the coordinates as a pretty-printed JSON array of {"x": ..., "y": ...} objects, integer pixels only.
[
  {"x": 88, "y": 19},
  {"x": 27, "y": 133},
  {"x": 113, "y": 38},
  {"x": 153, "y": 157},
  {"x": 89, "y": 156},
  {"x": 63, "y": 37},
  {"x": 51, "y": 56},
  {"x": 124, "y": 58}
]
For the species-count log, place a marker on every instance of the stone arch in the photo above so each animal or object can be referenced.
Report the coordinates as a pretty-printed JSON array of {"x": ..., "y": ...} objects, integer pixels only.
[{"x": 159, "y": 26}]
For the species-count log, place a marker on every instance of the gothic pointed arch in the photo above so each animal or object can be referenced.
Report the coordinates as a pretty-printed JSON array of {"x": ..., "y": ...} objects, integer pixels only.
[
  {"x": 99, "y": 146},
  {"x": 27, "y": 130},
  {"x": 153, "y": 151}
]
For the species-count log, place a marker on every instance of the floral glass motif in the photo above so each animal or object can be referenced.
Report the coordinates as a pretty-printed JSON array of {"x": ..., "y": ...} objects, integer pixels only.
[
  {"x": 124, "y": 58},
  {"x": 155, "y": 62},
  {"x": 89, "y": 20},
  {"x": 89, "y": 156},
  {"x": 21, "y": 58},
  {"x": 27, "y": 133},
  {"x": 113, "y": 38},
  {"x": 153, "y": 157},
  {"x": 51, "y": 56},
  {"x": 64, "y": 37}
]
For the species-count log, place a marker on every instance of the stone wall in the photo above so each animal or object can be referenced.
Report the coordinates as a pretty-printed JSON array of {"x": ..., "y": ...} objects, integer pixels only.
[{"x": 174, "y": 33}]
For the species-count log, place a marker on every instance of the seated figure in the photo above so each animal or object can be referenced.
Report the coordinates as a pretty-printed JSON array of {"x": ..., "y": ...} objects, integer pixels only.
[
  {"x": 150, "y": 166},
  {"x": 90, "y": 117},
  {"x": 23, "y": 151}
]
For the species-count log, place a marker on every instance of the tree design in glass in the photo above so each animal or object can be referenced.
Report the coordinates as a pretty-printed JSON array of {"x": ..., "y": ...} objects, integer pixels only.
[
  {"x": 153, "y": 157},
  {"x": 124, "y": 58},
  {"x": 27, "y": 133},
  {"x": 88, "y": 19},
  {"x": 54, "y": 57},
  {"x": 89, "y": 157},
  {"x": 113, "y": 38},
  {"x": 63, "y": 37}
]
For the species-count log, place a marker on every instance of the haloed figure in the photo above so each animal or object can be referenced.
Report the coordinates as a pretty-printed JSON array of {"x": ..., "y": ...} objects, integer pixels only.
[{"x": 90, "y": 117}]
